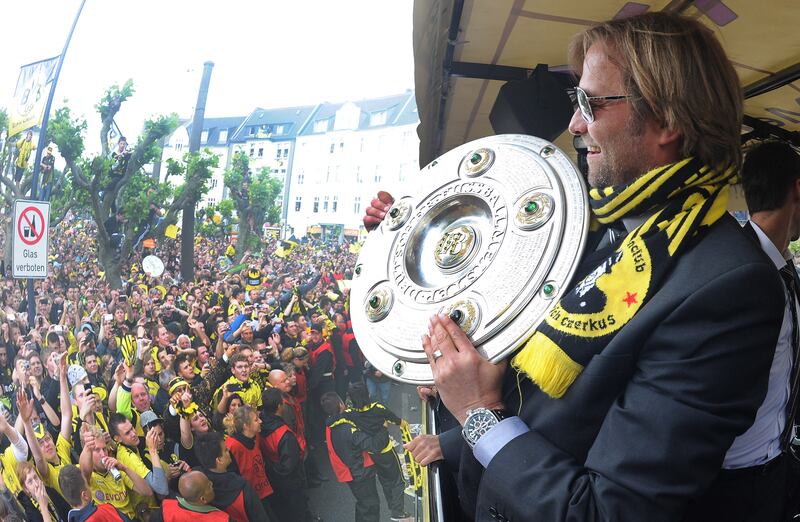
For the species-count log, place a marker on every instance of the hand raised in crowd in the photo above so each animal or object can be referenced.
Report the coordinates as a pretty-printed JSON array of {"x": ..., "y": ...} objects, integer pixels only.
[
  {"x": 377, "y": 209},
  {"x": 222, "y": 327},
  {"x": 24, "y": 406},
  {"x": 87, "y": 408},
  {"x": 274, "y": 342},
  {"x": 150, "y": 441},
  {"x": 35, "y": 386},
  {"x": 119, "y": 374}
]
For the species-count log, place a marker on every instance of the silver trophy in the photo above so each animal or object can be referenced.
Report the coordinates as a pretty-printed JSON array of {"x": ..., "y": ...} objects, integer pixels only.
[{"x": 490, "y": 235}]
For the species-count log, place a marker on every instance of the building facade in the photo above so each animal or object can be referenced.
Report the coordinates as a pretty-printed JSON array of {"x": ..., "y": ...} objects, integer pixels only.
[
  {"x": 332, "y": 158},
  {"x": 344, "y": 155},
  {"x": 217, "y": 136}
]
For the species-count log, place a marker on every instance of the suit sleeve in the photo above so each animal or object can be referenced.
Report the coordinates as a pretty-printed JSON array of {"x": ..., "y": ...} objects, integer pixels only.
[{"x": 699, "y": 379}]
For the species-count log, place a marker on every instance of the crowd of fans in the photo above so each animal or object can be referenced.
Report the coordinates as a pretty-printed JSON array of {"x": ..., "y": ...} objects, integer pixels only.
[{"x": 167, "y": 398}]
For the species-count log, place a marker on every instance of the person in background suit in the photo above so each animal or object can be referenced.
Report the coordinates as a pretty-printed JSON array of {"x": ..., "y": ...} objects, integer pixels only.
[
  {"x": 752, "y": 484},
  {"x": 627, "y": 414}
]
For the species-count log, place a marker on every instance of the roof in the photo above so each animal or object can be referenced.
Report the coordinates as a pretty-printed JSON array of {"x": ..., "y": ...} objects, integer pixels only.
[
  {"x": 266, "y": 123},
  {"x": 465, "y": 50},
  {"x": 400, "y": 109},
  {"x": 214, "y": 126}
]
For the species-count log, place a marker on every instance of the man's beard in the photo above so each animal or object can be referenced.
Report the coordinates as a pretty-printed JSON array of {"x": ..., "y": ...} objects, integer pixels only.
[{"x": 624, "y": 165}]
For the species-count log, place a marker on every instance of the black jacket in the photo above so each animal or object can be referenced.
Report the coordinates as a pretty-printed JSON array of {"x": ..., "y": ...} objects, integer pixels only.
[
  {"x": 645, "y": 427},
  {"x": 287, "y": 472},
  {"x": 232, "y": 488}
]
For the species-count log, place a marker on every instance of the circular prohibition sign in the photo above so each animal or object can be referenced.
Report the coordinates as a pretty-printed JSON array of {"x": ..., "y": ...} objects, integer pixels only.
[{"x": 34, "y": 233}]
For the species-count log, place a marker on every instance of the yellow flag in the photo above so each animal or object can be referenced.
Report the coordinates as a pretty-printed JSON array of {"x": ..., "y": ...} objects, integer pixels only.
[
  {"x": 33, "y": 86},
  {"x": 171, "y": 231},
  {"x": 355, "y": 248}
]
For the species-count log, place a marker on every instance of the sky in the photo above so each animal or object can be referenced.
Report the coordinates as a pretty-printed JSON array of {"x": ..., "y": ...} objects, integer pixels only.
[{"x": 266, "y": 53}]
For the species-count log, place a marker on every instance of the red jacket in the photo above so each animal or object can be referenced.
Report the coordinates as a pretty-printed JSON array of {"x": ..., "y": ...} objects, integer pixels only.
[
  {"x": 250, "y": 462},
  {"x": 352, "y": 459},
  {"x": 172, "y": 511}
]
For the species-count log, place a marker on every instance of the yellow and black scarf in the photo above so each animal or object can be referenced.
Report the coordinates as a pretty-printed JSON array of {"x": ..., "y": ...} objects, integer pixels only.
[{"x": 682, "y": 200}]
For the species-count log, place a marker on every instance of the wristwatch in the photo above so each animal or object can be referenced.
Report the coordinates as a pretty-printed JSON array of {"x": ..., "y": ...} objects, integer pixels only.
[{"x": 479, "y": 421}]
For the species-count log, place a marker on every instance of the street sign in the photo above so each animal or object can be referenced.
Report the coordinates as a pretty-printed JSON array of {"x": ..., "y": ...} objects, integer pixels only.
[{"x": 31, "y": 224}]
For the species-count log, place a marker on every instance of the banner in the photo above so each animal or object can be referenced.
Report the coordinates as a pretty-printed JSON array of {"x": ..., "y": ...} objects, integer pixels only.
[{"x": 30, "y": 96}]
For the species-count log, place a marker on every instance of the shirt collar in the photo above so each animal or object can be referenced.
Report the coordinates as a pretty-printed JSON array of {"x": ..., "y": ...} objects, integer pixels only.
[{"x": 769, "y": 247}]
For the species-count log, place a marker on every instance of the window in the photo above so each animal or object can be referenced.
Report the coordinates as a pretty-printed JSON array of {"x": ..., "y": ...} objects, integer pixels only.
[
  {"x": 252, "y": 151},
  {"x": 363, "y": 143},
  {"x": 381, "y": 143},
  {"x": 325, "y": 204},
  {"x": 402, "y": 173},
  {"x": 223, "y": 136},
  {"x": 341, "y": 146},
  {"x": 213, "y": 183},
  {"x": 378, "y": 173},
  {"x": 279, "y": 201},
  {"x": 204, "y": 136},
  {"x": 301, "y": 178},
  {"x": 251, "y": 131},
  {"x": 333, "y": 147},
  {"x": 357, "y": 205},
  {"x": 377, "y": 118},
  {"x": 286, "y": 152},
  {"x": 359, "y": 177},
  {"x": 335, "y": 203},
  {"x": 211, "y": 202},
  {"x": 316, "y": 204},
  {"x": 297, "y": 201},
  {"x": 279, "y": 129},
  {"x": 261, "y": 152},
  {"x": 328, "y": 176},
  {"x": 321, "y": 126}
]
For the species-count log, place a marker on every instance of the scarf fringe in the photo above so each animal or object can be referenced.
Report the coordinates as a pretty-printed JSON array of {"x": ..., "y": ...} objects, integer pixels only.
[{"x": 547, "y": 365}]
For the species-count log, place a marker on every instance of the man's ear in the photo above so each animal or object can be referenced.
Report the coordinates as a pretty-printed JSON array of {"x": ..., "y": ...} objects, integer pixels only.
[{"x": 669, "y": 137}]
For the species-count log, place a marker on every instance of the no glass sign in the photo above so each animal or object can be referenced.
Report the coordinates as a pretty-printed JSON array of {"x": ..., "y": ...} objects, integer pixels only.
[{"x": 31, "y": 220}]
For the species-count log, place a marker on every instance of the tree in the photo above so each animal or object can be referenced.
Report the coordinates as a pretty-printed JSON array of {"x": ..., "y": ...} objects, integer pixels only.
[
  {"x": 100, "y": 177},
  {"x": 254, "y": 197},
  {"x": 195, "y": 169}
]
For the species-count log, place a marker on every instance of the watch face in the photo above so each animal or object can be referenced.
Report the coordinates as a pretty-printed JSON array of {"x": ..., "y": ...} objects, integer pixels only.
[{"x": 478, "y": 423}]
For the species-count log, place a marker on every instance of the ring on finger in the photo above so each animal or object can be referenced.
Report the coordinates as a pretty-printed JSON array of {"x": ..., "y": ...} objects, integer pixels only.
[{"x": 437, "y": 354}]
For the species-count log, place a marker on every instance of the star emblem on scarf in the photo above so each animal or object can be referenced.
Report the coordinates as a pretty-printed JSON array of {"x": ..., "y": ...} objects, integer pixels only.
[{"x": 630, "y": 298}]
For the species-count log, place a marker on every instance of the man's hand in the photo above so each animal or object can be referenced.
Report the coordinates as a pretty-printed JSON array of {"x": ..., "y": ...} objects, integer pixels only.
[
  {"x": 427, "y": 392},
  {"x": 24, "y": 406},
  {"x": 150, "y": 441},
  {"x": 119, "y": 374},
  {"x": 377, "y": 210},
  {"x": 464, "y": 379},
  {"x": 87, "y": 408},
  {"x": 425, "y": 449}
]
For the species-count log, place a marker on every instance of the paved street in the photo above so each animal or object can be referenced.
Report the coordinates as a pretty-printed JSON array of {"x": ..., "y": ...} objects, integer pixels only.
[{"x": 333, "y": 501}]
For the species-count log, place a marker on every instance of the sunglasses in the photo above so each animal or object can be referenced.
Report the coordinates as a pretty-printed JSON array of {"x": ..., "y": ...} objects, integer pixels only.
[{"x": 583, "y": 102}]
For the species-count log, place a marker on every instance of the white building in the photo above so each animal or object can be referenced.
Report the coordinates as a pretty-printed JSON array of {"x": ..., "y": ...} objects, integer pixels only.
[
  {"x": 217, "y": 135},
  {"x": 345, "y": 153},
  {"x": 268, "y": 136}
]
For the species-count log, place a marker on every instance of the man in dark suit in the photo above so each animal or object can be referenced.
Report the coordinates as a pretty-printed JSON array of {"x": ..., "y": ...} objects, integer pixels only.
[
  {"x": 633, "y": 421},
  {"x": 752, "y": 484}
]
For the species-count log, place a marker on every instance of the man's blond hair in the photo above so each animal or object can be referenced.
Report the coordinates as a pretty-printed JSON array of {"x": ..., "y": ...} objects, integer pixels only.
[{"x": 679, "y": 75}]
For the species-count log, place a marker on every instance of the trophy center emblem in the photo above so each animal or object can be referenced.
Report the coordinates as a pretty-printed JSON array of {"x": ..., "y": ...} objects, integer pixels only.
[{"x": 455, "y": 247}]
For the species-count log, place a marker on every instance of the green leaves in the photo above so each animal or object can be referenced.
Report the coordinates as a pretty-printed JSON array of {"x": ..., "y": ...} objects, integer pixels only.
[{"x": 67, "y": 133}]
